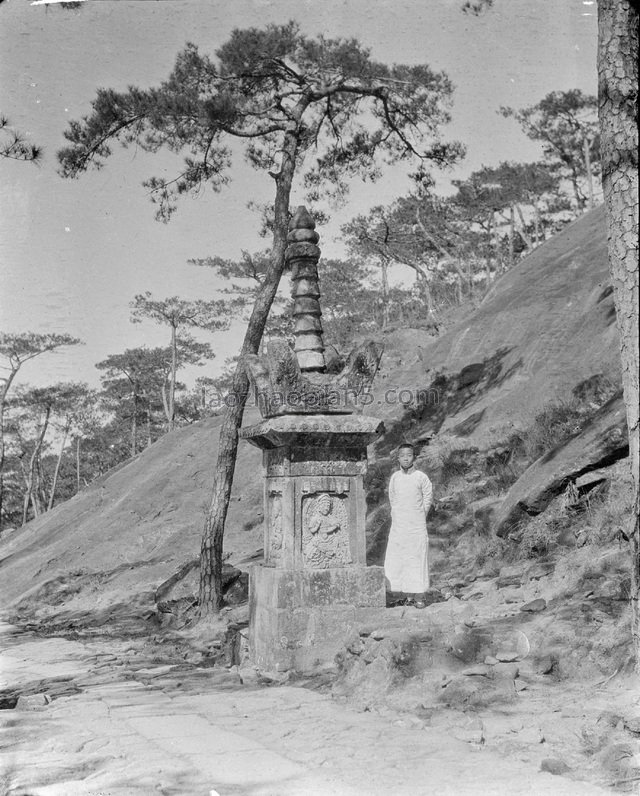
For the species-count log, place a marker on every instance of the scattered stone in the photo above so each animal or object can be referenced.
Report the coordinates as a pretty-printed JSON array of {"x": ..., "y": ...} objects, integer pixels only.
[
  {"x": 534, "y": 606},
  {"x": 509, "y": 576},
  {"x": 541, "y": 570},
  {"x": 507, "y": 656},
  {"x": 506, "y": 671},
  {"x": 470, "y": 644},
  {"x": 632, "y": 724},
  {"x": 553, "y": 765},
  {"x": 377, "y": 635},
  {"x": 248, "y": 675},
  {"x": 609, "y": 718},
  {"x": 476, "y": 671},
  {"x": 277, "y": 678},
  {"x": 490, "y": 660},
  {"x": 432, "y": 596},
  {"x": 156, "y": 671},
  {"x": 474, "y": 733},
  {"x": 595, "y": 737},
  {"x": 519, "y": 685},
  {"x": 32, "y": 701},
  {"x": 512, "y": 596},
  {"x": 547, "y": 665},
  {"x": 410, "y": 722},
  {"x": 195, "y": 658},
  {"x": 618, "y": 760}
]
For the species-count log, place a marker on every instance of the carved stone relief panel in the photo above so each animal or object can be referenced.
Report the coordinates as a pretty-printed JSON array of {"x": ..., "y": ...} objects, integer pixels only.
[
  {"x": 325, "y": 531},
  {"x": 275, "y": 531}
]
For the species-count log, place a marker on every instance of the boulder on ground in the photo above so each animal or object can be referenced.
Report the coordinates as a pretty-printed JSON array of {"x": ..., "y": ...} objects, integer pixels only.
[
  {"x": 32, "y": 701},
  {"x": 554, "y": 765}
]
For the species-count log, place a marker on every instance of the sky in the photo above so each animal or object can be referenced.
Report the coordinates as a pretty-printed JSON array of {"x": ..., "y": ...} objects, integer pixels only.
[{"x": 74, "y": 253}]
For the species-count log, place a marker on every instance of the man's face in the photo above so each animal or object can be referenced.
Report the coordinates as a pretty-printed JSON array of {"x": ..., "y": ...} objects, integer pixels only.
[{"x": 405, "y": 458}]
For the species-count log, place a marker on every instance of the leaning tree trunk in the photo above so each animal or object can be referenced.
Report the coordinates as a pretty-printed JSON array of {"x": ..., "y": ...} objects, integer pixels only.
[
  {"x": 3, "y": 395},
  {"x": 210, "y": 598},
  {"x": 512, "y": 230},
  {"x": 78, "y": 464},
  {"x": 618, "y": 109},
  {"x": 30, "y": 495},
  {"x": 488, "y": 258},
  {"x": 385, "y": 293},
  {"x": 134, "y": 424},
  {"x": 586, "y": 149},
  {"x": 57, "y": 470},
  {"x": 174, "y": 368}
]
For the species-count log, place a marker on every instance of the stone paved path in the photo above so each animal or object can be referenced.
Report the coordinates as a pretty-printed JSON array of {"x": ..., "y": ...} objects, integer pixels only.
[{"x": 159, "y": 730}]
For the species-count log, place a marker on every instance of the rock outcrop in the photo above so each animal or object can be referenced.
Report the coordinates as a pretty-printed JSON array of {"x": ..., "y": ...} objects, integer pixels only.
[{"x": 603, "y": 442}]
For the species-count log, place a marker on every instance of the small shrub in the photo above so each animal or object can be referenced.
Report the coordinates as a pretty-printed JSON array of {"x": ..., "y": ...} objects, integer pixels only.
[
  {"x": 483, "y": 522},
  {"x": 557, "y": 422},
  {"x": 554, "y": 425},
  {"x": 595, "y": 391},
  {"x": 506, "y": 463},
  {"x": 456, "y": 464},
  {"x": 492, "y": 551},
  {"x": 538, "y": 539}
]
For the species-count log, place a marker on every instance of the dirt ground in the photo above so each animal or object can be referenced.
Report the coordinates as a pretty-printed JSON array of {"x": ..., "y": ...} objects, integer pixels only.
[{"x": 122, "y": 720}]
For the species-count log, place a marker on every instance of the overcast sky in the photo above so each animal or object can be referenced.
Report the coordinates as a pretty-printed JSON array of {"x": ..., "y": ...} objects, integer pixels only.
[{"x": 73, "y": 253}]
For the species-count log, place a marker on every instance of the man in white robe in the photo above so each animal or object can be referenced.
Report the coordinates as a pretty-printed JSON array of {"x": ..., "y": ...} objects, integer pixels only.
[{"x": 406, "y": 563}]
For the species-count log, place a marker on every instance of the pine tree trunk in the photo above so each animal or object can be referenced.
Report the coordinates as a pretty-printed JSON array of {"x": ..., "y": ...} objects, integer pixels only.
[
  {"x": 172, "y": 387},
  {"x": 523, "y": 230},
  {"x": 580, "y": 202},
  {"x": 512, "y": 229},
  {"x": 41, "y": 494},
  {"x": 536, "y": 218},
  {"x": 134, "y": 424},
  {"x": 77, "y": 465},
  {"x": 30, "y": 495},
  {"x": 385, "y": 294},
  {"x": 57, "y": 470},
  {"x": 460, "y": 281},
  {"x": 618, "y": 109},
  {"x": 3, "y": 396},
  {"x": 586, "y": 146},
  {"x": 210, "y": 597},
  {"x": 489, "y": 245}
]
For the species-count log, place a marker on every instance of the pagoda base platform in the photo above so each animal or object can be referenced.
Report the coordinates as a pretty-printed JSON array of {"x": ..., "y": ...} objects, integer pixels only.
[{"x": 300, "y": 619}]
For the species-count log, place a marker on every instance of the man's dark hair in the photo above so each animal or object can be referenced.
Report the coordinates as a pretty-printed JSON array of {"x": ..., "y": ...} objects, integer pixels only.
[{"x": 407, "y": 445}]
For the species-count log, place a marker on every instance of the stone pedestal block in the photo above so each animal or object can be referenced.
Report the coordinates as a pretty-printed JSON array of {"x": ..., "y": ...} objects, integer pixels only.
[{"x": 300, "y": 619}]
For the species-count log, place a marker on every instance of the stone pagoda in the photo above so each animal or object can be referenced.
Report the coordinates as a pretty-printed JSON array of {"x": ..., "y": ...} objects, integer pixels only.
[{"x": 314, "y": 584}]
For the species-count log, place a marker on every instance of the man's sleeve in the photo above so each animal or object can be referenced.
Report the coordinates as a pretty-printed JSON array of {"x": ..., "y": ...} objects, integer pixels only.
[
  {"x": 392, "y": 494},
  {"x": 427, "y": 494}
]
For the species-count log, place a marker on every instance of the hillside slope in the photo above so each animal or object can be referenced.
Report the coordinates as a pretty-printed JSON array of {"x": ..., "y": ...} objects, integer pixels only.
[{"x": 545, "y": 326}]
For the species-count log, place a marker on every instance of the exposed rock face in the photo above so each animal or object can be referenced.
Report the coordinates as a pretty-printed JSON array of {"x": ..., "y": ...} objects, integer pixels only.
[
  {"x": 602, "y": 443},
  {"x": 546, "y": 326}
]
